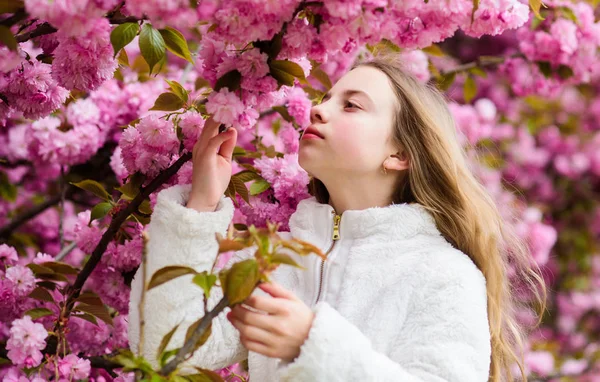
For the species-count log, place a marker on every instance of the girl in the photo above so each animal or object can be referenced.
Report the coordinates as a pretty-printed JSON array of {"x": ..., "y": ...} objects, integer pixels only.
[{"x": 415, "y": 286}]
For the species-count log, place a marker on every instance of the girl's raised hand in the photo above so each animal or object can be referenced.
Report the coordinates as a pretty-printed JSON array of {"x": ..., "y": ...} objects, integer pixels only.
[{"x": 211, "y": 161}]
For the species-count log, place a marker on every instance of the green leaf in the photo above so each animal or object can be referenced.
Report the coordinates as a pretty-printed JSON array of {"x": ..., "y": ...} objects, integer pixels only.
[
  {"x": 123, "y": 59},
  {"x": 236, "y": 186},
  {"x": 38, "y": 269},
  {"x": 226, "y": 245},
  {"x": 41, "y": 294},
  {"x": 164, "y": 358},
  {"x": 545, "y": 67},
  {"x": 100, "y": 210},
  {"x": 241, "y": 280},
  {"x": 477, "y": 71},
  {"x": 282, "y": 258},
  {"x": 179, "y": 90},
  {"x": 59, "y": 267},
  {"x": 285, "y": 71},
  {"x": 201, "y": 83},
  {"x": 123, "y": 35},
  {"x": 127, "y": 359},
  {"x": 152, "y": 46},
  {"x": 7, "y": 38},
  {"x": 97, "y": 311},
  {"x": 168, "y": 102},
  {"x": 565, "y": 72},
  {"x": 247, "y": 175},
  {"x": 39, "y": 312},
  {"x": 90, "y": 298},
  {"x": 535, "y": 6},
  {"x": 10, "y": 6},
  {"x": 8, "y": 191},
  {"x": 205, "y": 376},
  {"x": 205, "y": 281},
  {"x": 165, "y": 342},
  {"x": 283, "y": 111},
  {"x": 133, "y": 185},
  {"x": 176, "y": 43},
  {"x": 230, "y": 80},
  {"x": 169, "y": 273},
  {"x": 93, "y": 187},
  {"x": 322, "y": 77},
  {"x": 203, "y": 338},
  {"x": 87, "y": 317},
  {"x": 434, "y": 50},
  {"x": 446, "y": 80},
  {"x": 259, "y": 186},
  {"x": 469, "y": 89}
]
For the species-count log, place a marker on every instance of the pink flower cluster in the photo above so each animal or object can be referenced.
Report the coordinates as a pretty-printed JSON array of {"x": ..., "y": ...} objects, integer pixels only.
[
  {"x": 289, "y": 186},
  {"x": 85, "y": 61},
  {"x": 26, "y": 341},
  {"x": 31, "y": 90},
  {"x": 72, "y": 17},
  {"x": 149, "y": 146}
]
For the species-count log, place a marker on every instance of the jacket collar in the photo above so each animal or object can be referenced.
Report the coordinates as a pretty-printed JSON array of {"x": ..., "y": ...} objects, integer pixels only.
[{"x": 313, "y": 220}]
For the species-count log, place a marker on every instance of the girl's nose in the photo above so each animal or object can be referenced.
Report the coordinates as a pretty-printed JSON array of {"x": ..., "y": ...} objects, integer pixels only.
[{"x": 317, "y": 114}]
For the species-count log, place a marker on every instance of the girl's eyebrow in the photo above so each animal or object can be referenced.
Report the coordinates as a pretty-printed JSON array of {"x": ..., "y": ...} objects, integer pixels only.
[{"x": 351, "y": 92}]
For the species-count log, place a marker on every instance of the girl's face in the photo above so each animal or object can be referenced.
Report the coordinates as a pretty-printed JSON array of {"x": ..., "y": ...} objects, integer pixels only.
[{"x": 355, "y": 122}]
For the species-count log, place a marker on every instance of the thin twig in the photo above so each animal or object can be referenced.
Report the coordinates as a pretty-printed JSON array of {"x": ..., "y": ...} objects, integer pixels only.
[
  {"x": 15, "y": 223},
  {"x": 190, "y": 344},
  {"x": 480, "y": 62},
  {"x": 61, "y": 208},
  {"x": 142, "y": 299},
  {"x": 65, "y": 251}
]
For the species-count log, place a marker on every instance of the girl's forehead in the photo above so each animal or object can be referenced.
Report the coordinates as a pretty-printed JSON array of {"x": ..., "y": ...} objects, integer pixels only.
[{"x": 371, "y": 81}]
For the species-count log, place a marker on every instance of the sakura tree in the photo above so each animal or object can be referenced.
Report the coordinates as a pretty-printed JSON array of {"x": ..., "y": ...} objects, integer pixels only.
[{"x": 101, "y": 102}]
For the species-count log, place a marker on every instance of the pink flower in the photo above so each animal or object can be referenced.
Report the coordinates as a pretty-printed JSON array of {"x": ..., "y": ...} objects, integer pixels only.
[
  {"x": 225, "y": 106},
  {"x": 540, "y": 362},
  {"x": 32, "y": 90},
  {"x": 253, "y": 63},
  {"x": 22, "y": 278},
  {"x": 8, "y": 255},
  {"x": 159, "y": 134},
  {"x": 73, "y": 367},
  {"x": 86, "y": 61},
  {"x": 298, "y": 105},
  {"x": 26, "y": 340},
  {"x": 417, "y": 63},
  {"x": 191, "y": 126}
]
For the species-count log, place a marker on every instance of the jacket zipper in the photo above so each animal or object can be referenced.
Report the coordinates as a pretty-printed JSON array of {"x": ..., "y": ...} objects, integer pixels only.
[{"x": 335, "y": 237}]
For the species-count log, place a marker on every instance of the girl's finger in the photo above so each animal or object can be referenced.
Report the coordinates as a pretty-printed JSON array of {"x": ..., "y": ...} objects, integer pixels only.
[
  {"x": 248, "y": 317},
  {"x": 226, "y": 150},
  {"x": 210, "y": 130},
  {"x": 265, "y": 304},
  {"x": 215, "y": 142},
  {"x": 252, "y": 333},
  {"x": 276, "y": 290},
  {"x": 258, "y": 347}
]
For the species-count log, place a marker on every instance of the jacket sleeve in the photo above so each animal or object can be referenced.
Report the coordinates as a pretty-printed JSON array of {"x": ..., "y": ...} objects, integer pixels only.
[
  {"x": 444, "y": 338},
  {"x": 182, "y": 236}
]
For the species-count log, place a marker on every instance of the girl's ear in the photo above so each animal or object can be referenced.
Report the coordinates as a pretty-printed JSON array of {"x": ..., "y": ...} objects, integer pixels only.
[{"x": 398, "y": 161}]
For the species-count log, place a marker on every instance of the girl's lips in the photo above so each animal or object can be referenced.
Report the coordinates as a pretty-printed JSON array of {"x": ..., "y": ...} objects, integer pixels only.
[{"x": 310, "y": 136}]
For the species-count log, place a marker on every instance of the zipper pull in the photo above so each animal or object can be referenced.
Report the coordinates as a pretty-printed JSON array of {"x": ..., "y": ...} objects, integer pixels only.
[{"x": 336, "y": 227}]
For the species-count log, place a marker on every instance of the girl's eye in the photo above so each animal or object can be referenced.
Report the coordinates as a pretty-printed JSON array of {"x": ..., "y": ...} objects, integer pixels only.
[{"x": 350, "y": 104}]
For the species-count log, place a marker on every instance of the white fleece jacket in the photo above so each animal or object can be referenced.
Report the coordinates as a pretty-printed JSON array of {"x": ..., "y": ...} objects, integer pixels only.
[{"x": 398, "y": 302}]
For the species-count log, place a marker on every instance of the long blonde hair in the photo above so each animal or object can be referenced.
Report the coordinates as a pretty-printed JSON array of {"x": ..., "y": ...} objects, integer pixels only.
[{"x": 440, "y": 179}]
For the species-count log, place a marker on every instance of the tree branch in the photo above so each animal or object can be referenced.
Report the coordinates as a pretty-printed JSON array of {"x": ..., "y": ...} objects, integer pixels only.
[
  {"x": 190, "y": 344},
  {"x": 480, "y": 62},
  {"x": 15, "y": 223},
  {"x": 115, "y": 224}
]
